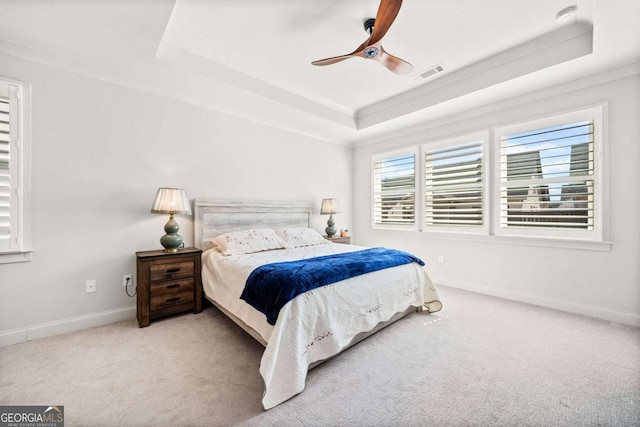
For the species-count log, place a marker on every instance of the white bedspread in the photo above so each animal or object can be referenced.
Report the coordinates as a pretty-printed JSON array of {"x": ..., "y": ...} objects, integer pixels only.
[{"x": 319, "y": 323}]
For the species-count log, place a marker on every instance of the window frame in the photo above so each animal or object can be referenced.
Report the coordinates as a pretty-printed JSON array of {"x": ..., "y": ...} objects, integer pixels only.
[
  {"x": 483, "y": 229},
  {"x": 417, "y": 188},
  {"x": 19, "y": 249},
  {"x": 596, "y": 114}
]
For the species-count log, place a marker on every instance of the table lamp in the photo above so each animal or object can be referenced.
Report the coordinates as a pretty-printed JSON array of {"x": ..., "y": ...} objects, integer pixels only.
[
  {"x": 171, "y": 201},
  {"x": 330, "y": 207}
]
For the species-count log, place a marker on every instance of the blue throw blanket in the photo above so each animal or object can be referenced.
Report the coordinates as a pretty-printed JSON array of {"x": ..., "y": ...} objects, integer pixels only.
[{"x": 271, "y": 286}]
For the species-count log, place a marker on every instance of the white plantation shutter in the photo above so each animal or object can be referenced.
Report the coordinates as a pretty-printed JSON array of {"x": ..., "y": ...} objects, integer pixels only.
[
  {"x": 12, "y": 172},
  {"x": 5, "y": 172},
  {"x": 454, "y": 185},
  {"x": 548, "y": 178},
  {"x": 394, "y": 188}
]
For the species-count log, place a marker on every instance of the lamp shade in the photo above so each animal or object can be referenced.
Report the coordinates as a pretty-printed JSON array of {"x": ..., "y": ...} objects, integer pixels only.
[
  {"x": 329, "y": 206},
  {"x": 171, "y": 201}
]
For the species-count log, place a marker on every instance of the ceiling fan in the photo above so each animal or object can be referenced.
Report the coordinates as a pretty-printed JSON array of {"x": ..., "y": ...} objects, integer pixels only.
[{"x": 372, "y": 47}]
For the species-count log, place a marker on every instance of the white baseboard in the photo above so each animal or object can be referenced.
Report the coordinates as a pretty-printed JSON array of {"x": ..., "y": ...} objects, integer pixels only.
[
  {"x": 583, "y": 309},
  {"x": 63, "y": 326}
]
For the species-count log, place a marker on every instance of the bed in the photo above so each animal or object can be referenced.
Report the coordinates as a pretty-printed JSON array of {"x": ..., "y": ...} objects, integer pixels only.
[{"x": 315, "y": 325}]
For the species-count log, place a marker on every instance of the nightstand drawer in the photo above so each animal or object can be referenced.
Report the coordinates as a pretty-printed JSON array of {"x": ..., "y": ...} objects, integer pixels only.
[
  {"x": 167, "y": 310},
  {"x": 172, "y": 287},
  {"x": 171, "y": 296},
  {"x": 164, "y": 270},
  {"x": 171, "y": 300}
]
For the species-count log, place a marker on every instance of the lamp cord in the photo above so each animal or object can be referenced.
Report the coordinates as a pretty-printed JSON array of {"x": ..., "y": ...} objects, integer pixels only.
[{"x": 126, "y": 289}]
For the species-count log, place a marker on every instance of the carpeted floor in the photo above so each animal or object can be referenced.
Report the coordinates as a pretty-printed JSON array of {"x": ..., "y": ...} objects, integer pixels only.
[{"x": 482, "y": 361}]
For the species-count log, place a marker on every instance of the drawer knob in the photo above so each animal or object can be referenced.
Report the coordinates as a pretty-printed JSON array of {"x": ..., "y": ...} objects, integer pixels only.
[
  {"x": 174, "y": 285},
  {"x": 173, "y": 299},
  {"x": 173, "y": 270}
]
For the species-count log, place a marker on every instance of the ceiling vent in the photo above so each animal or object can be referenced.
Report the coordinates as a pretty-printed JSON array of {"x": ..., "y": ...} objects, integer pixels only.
[{"x": 429, "y": 72}]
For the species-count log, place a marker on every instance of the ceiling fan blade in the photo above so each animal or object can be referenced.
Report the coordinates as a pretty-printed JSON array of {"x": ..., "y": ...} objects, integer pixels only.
[
  {"x": 393, "y": 63},
  {"x": 333, "y": 60},
  {"x": 387, "y": 12}
]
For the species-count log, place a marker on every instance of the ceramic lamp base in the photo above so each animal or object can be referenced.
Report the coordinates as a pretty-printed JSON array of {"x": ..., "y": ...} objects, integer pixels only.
[
  {"x": 331, "y": 229},
  {"x": 172, "y": 240}
]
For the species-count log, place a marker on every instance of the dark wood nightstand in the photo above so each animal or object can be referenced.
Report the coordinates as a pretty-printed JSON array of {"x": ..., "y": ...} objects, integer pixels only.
[
  {"x": 337, "y": 239},
  {"x": 168, "y": 283}
]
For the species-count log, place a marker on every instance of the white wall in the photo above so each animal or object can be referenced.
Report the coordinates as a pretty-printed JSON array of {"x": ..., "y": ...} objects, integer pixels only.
[
  {"x": 604, "y": 284},
  {"x": 99, "y": 153}
]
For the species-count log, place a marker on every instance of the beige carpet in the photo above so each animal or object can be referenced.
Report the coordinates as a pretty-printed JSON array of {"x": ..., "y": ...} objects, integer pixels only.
[{"x": 482, "y": 361}]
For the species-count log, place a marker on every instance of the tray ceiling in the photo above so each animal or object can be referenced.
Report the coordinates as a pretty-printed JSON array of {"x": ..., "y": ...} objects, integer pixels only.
[{"x": 252, "y": 58}]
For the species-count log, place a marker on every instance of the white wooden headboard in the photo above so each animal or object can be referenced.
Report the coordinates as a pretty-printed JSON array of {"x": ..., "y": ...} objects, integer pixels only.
[{"x": 214, "y": 217}]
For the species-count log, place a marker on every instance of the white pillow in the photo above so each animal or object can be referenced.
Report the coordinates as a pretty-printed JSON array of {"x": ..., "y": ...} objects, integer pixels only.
[
  {"x": 248, "y": 241},
  {"x": 300, "y": 236}
]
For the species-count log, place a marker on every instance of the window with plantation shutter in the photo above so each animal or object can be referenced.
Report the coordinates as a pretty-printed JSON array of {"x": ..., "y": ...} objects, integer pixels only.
[
  {"x": 538, "y": 182},
  {"x": 549, "y": 176},
  {"x": 14, "y": 217},
  {"x": 394, "y": 189},
  {"x": 454, "y": 184},
  {"x": 5, "y": 173}
]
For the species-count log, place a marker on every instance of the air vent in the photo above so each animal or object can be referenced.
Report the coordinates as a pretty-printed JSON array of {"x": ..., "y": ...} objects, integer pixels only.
[{"x": 429, "y": 72}]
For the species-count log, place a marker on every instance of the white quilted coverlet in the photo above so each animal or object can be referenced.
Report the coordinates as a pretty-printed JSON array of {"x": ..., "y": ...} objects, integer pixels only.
[{"x": 319, "y": 323}]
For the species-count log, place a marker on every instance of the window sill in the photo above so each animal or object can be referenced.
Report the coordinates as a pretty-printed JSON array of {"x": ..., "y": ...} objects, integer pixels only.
[
  {"x": 11, "y": 257},
  {"x": 548, "y": 242}
]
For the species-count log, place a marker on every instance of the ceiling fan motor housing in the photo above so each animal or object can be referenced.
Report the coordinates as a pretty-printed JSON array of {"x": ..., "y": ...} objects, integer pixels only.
[
  {"x": 371, "y": 52},
  {"x": 368, "y": 25}
]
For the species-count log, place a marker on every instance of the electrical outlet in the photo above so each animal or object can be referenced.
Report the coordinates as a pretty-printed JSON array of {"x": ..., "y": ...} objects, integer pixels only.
[
  {"x": 441, "y": 259},
  {"x": 127, "y": 280},
  {"x": 90, "y": 286}
]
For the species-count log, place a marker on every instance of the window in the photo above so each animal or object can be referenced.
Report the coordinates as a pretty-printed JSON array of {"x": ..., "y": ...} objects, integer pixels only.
[
  {"x": 541, "y": 178},
  {"x": 14, "y": 226},
  {"x": 454, "y": 192},
  {"x": 549, "y": 173},
  {"x": 394, "y": 189}
]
